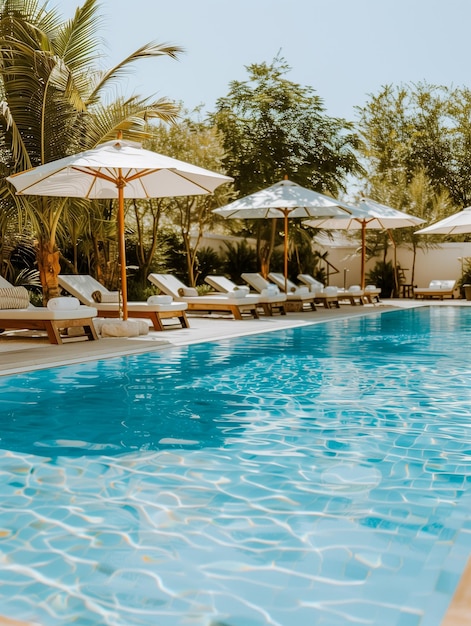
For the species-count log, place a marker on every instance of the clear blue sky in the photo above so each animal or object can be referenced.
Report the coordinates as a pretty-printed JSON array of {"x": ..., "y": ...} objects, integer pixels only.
[{"x": 344, "y": 49}]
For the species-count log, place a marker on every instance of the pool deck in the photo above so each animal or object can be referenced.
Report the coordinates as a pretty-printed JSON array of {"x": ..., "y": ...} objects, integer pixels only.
[{"x": 22, "y": 351}]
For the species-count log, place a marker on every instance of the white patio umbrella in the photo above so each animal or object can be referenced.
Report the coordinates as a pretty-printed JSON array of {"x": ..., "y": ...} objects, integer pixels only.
[
  {"x": 371, "y": 215},
  {"x": 284, "y": 199},
  {"x": 456, "y": 224},
  {"x": 117, "y": 169}
]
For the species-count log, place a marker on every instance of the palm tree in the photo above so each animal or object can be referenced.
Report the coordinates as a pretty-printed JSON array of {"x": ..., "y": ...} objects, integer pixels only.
[{"x": 54, "y": 103}]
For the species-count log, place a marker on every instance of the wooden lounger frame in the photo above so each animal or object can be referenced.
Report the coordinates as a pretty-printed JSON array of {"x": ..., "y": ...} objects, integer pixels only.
[
  {"x": 54, "y": 328},
  {"x": 236, "y": 309},
  {"x": 155, "y": 317}
]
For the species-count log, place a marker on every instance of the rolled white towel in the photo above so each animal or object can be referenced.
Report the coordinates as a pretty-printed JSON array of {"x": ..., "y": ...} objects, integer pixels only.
[
  {"x": 159, "y": 300},
  {"x": 354, "y": 288},
  {"x": 244, "y": 288},
  {"x": 187, "y": 292},
  {"x": 63, "y": 304},
  {"x": 301, "y": 290},
  {"x": 331, "y": 291},
  {"x": 108, "y": 297}
]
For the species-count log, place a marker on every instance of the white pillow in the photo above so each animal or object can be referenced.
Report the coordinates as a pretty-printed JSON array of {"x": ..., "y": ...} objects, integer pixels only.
[
  {"x": 159, "y": 300},
  {"x": 236, "y": 294}
]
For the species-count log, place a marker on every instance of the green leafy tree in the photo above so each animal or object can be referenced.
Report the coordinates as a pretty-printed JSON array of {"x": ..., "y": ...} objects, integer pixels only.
[
  {"x": 274, "y": 128},
  {"x": 419, "y": 128},
  {"x": 55, "y": 103},
  {"x": 416, "y": 154},
  {"x": 195, "y": 141}
]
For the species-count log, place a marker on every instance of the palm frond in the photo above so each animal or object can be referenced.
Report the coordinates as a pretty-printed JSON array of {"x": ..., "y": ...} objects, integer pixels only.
[
  {"x": 19, "y": 151},
  {"x": 146, "y": 51},
  {"x": 129, "y": 116},
  {"x": 28, "y": 278},
  {"x": 29, "y": 20},
  {"x": 75, "y": 42}
]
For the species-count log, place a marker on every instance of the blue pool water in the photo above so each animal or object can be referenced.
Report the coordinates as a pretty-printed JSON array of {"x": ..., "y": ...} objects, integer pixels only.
[{"x": 319, "y": 476}]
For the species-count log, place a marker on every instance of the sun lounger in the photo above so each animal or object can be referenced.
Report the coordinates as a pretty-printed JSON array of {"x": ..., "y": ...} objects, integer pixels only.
[
  {"x": 299, "y": 297},
  {"x": 436, "y": 289},
  {"x": 270, "y": 303},
  {"x": 372, "y": 293},
  {"x": 238, "y": 304},
  {"x": 83, "y": 286},
  {"x": 55, "y": 321},
  {"x": 294, "y": 302},
  {"x": 328, "y": 296},
  {"x": 354, "y": 295}
]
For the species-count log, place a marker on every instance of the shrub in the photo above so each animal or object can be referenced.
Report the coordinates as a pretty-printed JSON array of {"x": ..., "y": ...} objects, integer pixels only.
[
  {"x": 382, "y": 275},
  {"x": 239, "y": 258}
]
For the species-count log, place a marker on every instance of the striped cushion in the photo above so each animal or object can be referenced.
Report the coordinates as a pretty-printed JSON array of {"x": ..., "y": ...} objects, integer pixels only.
[{"x": 14, "y": 298}]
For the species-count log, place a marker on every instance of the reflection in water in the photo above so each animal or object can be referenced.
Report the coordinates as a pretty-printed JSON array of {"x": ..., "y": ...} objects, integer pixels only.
[{"x": 188, "y": 397}]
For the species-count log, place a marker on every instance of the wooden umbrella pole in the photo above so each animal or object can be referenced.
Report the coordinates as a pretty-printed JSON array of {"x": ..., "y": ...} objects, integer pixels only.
[
  {"x": 122, "y": 246},
  {"x": 396, "y": 278},
  {"x": 286, "y": 252},
  {"x": 363, "y": 252}
]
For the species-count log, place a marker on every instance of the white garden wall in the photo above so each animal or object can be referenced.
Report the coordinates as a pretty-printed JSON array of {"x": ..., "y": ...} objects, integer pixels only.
[{"x": 441, "y": 262}]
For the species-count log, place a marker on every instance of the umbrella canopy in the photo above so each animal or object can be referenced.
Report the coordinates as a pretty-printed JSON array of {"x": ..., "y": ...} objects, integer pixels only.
[
  {"x": 456, "y": 224},
  {"x": 117, "y": 169},
  {"x": 371, "y": 215},
  {"x": 284, "y": 199}
]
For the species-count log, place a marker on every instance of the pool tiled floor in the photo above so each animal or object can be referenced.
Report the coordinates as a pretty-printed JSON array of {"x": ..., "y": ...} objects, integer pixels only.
[{"x": 22, "y": 354}]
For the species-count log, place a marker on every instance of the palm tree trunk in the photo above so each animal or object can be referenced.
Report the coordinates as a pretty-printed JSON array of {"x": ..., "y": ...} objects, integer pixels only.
[
  {"x": 49, "y": 269},
  {"x": 266, "y": 250}
]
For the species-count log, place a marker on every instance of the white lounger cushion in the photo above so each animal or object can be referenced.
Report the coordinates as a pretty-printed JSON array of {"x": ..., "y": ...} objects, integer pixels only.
[
  {"x": 223, "y": 297},
  {"x": 294, "y": 292},
  {"x": 159, "y": 300},
  {"x": 271, "y": 295},
  {"x": 314, "y": 285},
  {"x": 82, "y": 287},
  {"x": 43, "y": 313},
  {"x": 171, "y": 285},
  {"x": 142, "y": 307}
]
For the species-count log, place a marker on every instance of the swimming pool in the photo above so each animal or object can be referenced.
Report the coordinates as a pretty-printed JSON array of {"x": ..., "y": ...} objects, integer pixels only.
[{"x": 313, "y": 476}]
